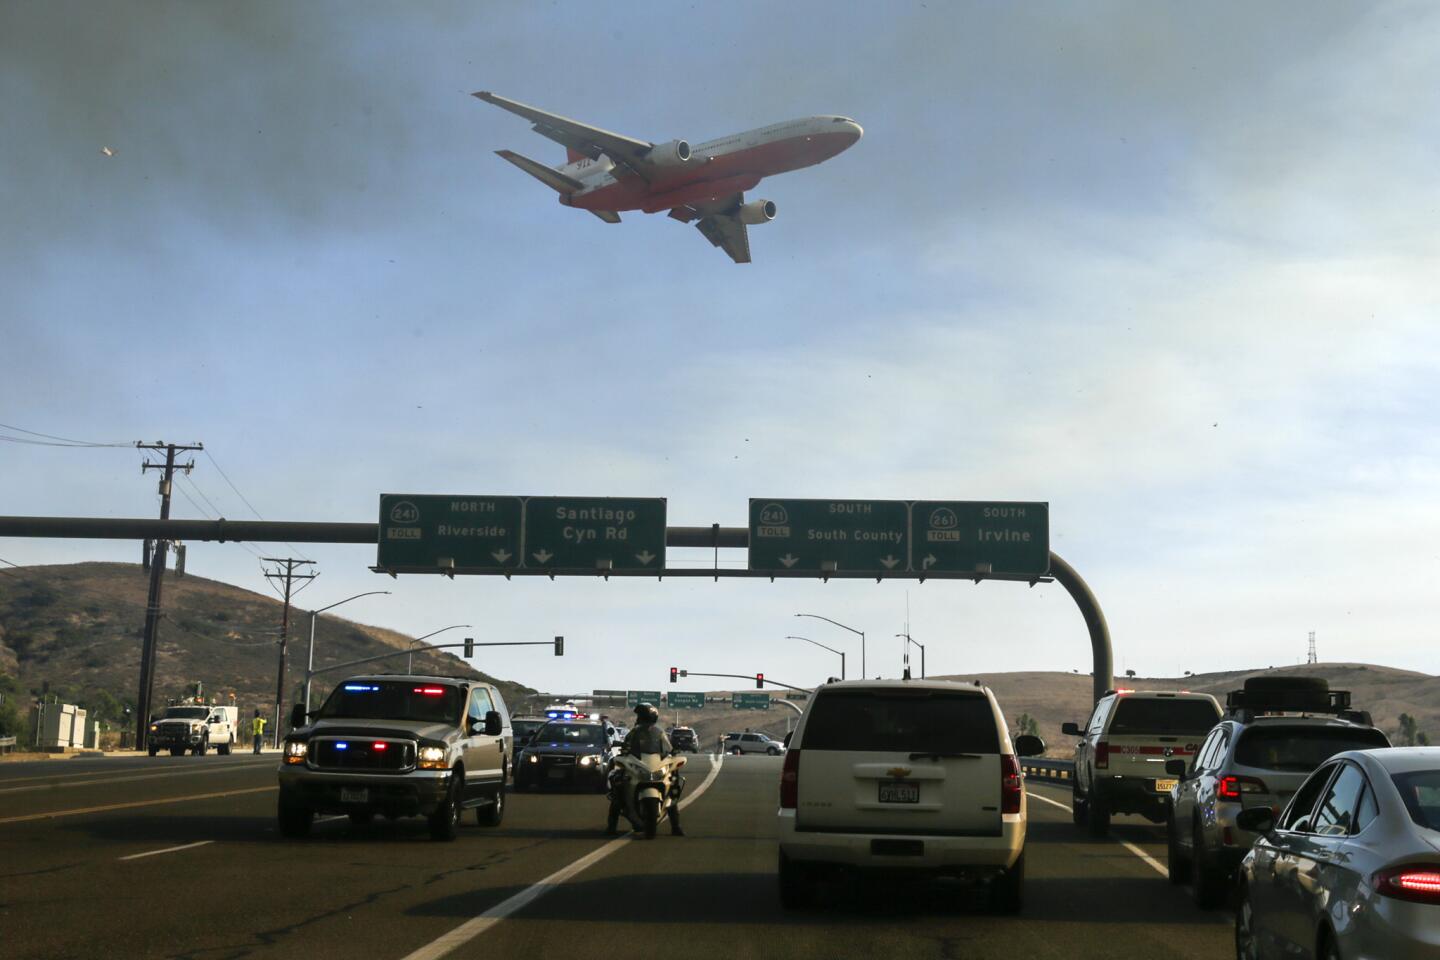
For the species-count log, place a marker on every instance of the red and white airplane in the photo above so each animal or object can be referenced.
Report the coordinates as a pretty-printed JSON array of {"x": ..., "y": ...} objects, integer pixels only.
[{"x": 606, "y": 172}]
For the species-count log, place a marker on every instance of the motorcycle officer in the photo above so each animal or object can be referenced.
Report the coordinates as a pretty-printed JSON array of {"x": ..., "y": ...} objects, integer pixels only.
[{"x": 646, "y": 737}]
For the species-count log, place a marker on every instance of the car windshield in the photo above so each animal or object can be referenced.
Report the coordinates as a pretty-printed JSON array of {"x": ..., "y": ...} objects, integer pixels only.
[
  {"x": 525, "y": 729},
  {"x": 187, "y": 713},
  {"x": 906, "y": 721},
  {"x": 1301, "y": 749},
  {"x": 570, "y": 733},
  {"x": 1138, "y": 716},
  {"x": 1420, "y": 790},
  {"x": 393, "y": 700}
]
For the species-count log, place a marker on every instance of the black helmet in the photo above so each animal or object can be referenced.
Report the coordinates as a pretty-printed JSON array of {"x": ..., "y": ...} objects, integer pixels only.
[{"x": 646, "y": 713}]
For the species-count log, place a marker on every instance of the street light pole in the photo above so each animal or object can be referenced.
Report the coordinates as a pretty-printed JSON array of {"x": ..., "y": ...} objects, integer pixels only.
[
  {"x": 310, "y": 665},
  {"x": 410, "y": 660},
  {"x": 842, "y": 626},
  {"x": 909, "y": 639},
  {"x": 831, "y": 649}
]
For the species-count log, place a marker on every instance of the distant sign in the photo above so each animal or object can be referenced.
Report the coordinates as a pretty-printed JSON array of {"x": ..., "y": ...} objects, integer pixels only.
[
  {"x": 444, "y": 532},
  {"x": 635, "y": 697},
  {"x": 750, "y": 701},
  {"x": 986, "y": 536},
  {"x": 681, "y": 700},
  {"x": 608, "y": 695},
  {"x": 585, "y": 534},
  {"x": 797, "y": 695},
  {"x": 828, "y": 536}
]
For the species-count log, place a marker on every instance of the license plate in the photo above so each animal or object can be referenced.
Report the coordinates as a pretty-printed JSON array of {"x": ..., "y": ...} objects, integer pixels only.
[
  {"x": 556, "y": 774},
  {"x": 900, "y": 791},
  {"x": 354, "y": 794},
  {"x": 1165, "y": 786}
]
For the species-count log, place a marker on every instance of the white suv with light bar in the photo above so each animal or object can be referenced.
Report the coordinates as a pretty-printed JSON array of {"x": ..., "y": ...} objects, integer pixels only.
[{"x": 904, "y": 775}]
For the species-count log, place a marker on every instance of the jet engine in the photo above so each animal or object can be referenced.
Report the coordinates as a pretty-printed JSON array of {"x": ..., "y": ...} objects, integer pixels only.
[
  {"x": 670, "y": 154},
  {"x": 757, "y": 211}
]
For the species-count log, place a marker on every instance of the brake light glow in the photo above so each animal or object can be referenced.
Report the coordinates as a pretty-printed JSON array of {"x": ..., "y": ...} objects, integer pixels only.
[
  {"x": 1231, "y": 788},
  {"x": 790, "y": 781},
  {"x": 1012, "y": 784},
  {"x": 429, "y": 691},
  {"x": 1102, "y": 754},
  {"x": 1124, "y": 690},
  {"x": 1418, "y": 883}
]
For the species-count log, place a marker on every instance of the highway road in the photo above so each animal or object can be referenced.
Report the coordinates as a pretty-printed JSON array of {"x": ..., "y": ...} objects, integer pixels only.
[{"x": 179, "y": 857}]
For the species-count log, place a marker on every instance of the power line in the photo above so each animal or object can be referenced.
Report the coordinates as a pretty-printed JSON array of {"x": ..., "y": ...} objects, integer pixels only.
[
  {"x": 60, "y": 441},
  {"x": 243, "y": 498}
]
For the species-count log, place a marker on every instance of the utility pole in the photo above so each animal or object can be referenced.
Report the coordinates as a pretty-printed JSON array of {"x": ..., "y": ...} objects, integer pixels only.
[
  {"x": 157, "y": 575},
  {"x": 289, "y": 576}
]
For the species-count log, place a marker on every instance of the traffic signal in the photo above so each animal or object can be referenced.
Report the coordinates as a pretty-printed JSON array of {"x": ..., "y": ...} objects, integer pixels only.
[
  {"x": 674, "y": 674},
  {"x": 559, "y": 646},
  {"x": 759, "y": 681},
  {"x": 469, "y": 647}
]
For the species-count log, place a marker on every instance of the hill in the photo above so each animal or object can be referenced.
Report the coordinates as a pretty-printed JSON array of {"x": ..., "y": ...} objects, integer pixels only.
[{"x": 75, "y": 630}]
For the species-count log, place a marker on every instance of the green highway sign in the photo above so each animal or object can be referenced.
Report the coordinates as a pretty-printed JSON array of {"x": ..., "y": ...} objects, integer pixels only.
[
  {"x": 449, "y": 532},
  {"x": 586, "y": 534},
  {"x": 980, "y": 536},
  {"x": 681, "y": 700},
  {"x": 750, "y": 701},
  {"x": 633, "y": 697},
  {"x": 828, "y": 536}
]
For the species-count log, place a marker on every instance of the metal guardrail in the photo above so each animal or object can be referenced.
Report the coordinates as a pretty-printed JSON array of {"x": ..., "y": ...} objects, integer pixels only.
[
  {"x": 7, "y": 744},
  {"x": 1041, "y": 768}
]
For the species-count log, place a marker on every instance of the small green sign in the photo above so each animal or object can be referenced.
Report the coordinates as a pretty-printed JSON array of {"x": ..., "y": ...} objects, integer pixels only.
[
  {"x": 682, "y": 700},
  {"x": 635, "y": 697},
  {"x": 830, "y": 536},
  {"x": 449, "y": 533},
  {"x": 750, "y": 701},
  {"x": 981, "y": 536},
  {"x": 589, "y": 534}
]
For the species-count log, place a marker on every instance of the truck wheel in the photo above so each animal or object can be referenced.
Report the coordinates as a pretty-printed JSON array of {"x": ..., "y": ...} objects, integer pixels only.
[
  {"x": 153, "y": 749},
  {"x": 797, "y": 886},
  {"x": 1007, "y": 891},
  {"x": 1207, "y": 886},
  {"x": 1097, "y": 819},
  {"x": 223, "y": 749},
  {"x": 1178, "y": 864},
  {"x": 650, "y": 816},
  {"x": 493, "y": 812},
  {"x": 294, "y": 820},
  {"x": 445, "y": 821},
  {"x": 1079, "y": 810},
  {"x": 177, "y": 751},
  {"x": 201, "y": 748}
]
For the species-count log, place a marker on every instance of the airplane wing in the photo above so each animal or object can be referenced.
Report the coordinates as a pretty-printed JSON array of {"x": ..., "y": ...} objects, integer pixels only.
[
  {"x": 720, "y": 225},
  {"x": 625, "y": 151}
]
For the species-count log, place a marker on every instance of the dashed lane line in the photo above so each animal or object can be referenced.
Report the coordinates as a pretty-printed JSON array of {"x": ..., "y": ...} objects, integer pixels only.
[
  {"x": 52, "y": 814},
  {"x": 1156, "y": 865},
  {"x": 229, "y": 768},
  {"x": 475, "y": 926},
  {"x": 153, "y": 853}
]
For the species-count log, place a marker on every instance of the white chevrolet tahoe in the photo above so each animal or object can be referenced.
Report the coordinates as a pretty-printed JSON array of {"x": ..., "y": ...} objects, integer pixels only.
[{"x": 915, "y": 775}]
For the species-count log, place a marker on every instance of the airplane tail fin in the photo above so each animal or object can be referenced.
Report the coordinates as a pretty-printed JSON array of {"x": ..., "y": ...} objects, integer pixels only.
[{"x": 549, "y": 176}]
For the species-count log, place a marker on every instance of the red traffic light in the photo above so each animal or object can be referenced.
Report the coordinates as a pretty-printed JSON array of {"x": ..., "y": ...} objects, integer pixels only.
[
  {"x": 759, "y": 681},
  {"x": 674, "y": 674}
]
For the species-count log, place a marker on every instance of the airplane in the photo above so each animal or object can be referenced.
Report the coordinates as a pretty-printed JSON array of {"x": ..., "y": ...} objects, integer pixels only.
[{"x": 606, "y": 172}]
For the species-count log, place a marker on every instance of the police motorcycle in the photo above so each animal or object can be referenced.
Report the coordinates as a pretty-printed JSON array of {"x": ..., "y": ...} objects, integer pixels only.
[{"x": 646, "y": 789}]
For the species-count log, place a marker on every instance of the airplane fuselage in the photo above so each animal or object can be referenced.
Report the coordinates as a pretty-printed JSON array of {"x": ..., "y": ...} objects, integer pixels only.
[{"x": 716, "y": 169}]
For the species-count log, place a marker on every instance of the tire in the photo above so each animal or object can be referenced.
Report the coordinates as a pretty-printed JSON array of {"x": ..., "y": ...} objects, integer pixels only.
[
  {"x": 1245, "y": 946},
  {"x": 153, "y": 750},
  {"x": 361, "y": 818},
  {"x": 177, "y": 751},
  {"x": 223, "y": 749},
  {"x": 294, "y": 820},
  {"x": 797, "y": 886},
  {"x": 736, "y": 752},
  {"x": 1326, "y": 949},
  {"x": 1207, "y": 884},
  {"x": 650, "y": 816},
  {"x": 445, "y": 821},
  {"x": 1079, "y": 808},
  {"x": 773, "y": 751},
  {"x": 1097, "y": 817},
  {"x": 1007, "y": 891},
  {"x": 201, "y": 749},
  {"x": 493, "y": 812},
  {"x": 1176, "y": 861}
]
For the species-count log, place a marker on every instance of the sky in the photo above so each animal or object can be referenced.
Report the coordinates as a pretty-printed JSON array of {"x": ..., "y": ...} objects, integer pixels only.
[{"x": 1168, "y": 267}]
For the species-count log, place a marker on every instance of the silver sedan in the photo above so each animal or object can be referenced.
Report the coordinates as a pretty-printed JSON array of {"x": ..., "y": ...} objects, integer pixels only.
[{"x": 1352, "y": 867}]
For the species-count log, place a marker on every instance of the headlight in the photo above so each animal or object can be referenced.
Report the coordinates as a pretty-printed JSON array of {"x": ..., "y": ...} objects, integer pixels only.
[
  {"x": 432, "y": 758},
  {"x": 295, "y": 751},
  {"x": 532, "y": 758},
  {"x": 587, "y": 760},
  {"x": 154, "y": 727}
]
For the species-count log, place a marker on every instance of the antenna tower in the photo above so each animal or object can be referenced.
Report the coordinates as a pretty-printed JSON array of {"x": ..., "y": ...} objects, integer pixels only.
[{"x": 1310, "y": 657}]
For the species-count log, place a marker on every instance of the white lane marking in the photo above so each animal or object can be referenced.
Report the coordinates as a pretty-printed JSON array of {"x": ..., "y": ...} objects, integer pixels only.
[
  {"x": 49, "y": 815},
  {"x": 233, "y": 761},
  {"x": 1156, "y": 865},
  {"x": 475, "y": 926},
  {"x": 236, "y": 768},
  {"x": 153, "y": 853}
]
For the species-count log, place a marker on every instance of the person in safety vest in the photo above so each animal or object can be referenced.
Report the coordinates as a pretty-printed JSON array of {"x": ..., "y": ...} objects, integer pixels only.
[
  {"x": 257, "y": 727},
  {"x": 647, "y": 737}
]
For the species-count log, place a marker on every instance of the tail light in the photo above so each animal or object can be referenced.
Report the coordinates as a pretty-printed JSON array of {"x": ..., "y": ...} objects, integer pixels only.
[
  {"x": 1102, "y": 755},
  {"x": 1012, "y": 785},
  {"x": 790, "y": 781},
  {"x": 1232, "y": 788},
  {"x": 1416, "y": 882}
]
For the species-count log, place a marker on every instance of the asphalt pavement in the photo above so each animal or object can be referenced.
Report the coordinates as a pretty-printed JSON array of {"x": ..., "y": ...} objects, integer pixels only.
[{"x": 179, "y": 857}]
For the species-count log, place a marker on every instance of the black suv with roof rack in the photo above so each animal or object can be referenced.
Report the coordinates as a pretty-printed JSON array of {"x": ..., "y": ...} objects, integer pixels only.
[{"x": 398, "y": 746}]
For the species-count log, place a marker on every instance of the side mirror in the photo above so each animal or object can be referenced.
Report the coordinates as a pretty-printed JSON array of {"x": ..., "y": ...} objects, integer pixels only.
[
  {"x": 1029, "y": 745},
  {"x": 297, "y": 716},
  {"x": 1256, "y": 820},
  {"x": 493, "y": 723},
  {"x": 1176, "y": 768},
  {"x": 1070, "y": 729}
]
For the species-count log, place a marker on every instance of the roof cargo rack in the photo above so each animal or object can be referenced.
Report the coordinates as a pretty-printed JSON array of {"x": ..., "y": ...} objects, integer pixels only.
[{"x": 1278, "y": 694}]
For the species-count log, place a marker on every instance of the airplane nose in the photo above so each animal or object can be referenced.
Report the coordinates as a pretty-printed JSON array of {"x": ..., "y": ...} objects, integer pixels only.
[{"x": 856, "y": 129}]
